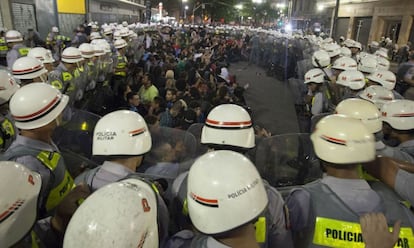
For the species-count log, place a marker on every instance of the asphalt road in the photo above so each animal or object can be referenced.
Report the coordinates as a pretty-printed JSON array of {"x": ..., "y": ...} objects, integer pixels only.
[{"x": 270, "y": 100}]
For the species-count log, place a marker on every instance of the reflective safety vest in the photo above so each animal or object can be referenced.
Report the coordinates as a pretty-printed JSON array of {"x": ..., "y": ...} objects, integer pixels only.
[
  {"x": 61, "y": 182},
  {"x": 121, "y": 64},
  {"x": 67, "y": 78},
  {"x": 23, "y": 51},
  {"x": 7, "y": 133},
  {"x": 3, "y": 47},
  {"x": 333, "y": 224}
]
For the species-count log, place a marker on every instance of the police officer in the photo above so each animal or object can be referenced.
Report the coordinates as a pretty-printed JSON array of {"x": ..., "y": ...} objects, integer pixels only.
[
  {"x": 225, "y": 183},
  {"x": 8, "y": 86},
  {"x": 29, "y": 70},
  {"x": 122, "y": 214},
  {"x": 386, "y": 79},
  {"x": 398, "y": 116},
  {"x": 369, "y": 115},
  {"x": 315, "y": 98},
  {"x": 326, "y": 212},
  {"x": 376, "y": 94},
  {"x": 120, "y": 60},
  {"x": 57, "y": 42},
  {"x": 229, "y": 127},
  {"x": 123, "y": 137},
  {"x": 14, "y": 40},
  {"x": 3, "y": 47},
  {"x": 20, "y": 203},
  {"x": 63, "y": 78},
  {"x": 36, "y": 109},
  {"x": 44, "y": 55}
]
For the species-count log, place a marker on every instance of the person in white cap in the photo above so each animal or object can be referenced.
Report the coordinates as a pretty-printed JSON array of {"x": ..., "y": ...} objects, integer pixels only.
[
  {"x": 63, "y": 78},
  {"x": 326, "y": 212},
  {"x": 17, "y": 50},
  {"x": 398, "y": 116},
  {"x": 44, "y": 55},
  {"x": 8, "y": 86},
  {"x": 229, "y": 128},
  {"x": 225, "y": 183},
  {"x": 36, "y": 110},
  {"x": 29, "y": 70}
]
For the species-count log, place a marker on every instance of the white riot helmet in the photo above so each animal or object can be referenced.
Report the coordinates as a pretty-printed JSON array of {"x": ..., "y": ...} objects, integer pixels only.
[
  {"x": 352, "y": 79},
  {"x": 315, "y": 76},
  {"x": 367, "y": 64},
  {"x": 345, "y": 52},
  {"x": 71, "y": 55},
  {"x": 225, "y": 191},
  {"x": 385, "y": 78},
  {"x": 355, "y": 44},
  {"x": 55, "y": 29},
  {"x": 332, "y": 49},
  {"x": 121, "y": 214},
  {"x": 28, "y": 68},
  {"x": 124, "y": 32},
  {"x": 383, "y": 64},
  {"x": 322, "y": 57},
  {"x": 36, "y": 105},
  {"x": 399, "y": 114},
  {"x": 362, "y": 110},
  {"x": 348, "y": 43},
  {"x": 345, "y": 63},
  {"x": 8, "y": 86},
  {"x": 86, "y": 50},
  {"x": 13, "y": 36},
  {"x": 228, "y": 125},
  {"x": 381, "y": 53},
  {"x": 18, "y": 202},
  {"x": 95, "y": 35},
  {"x": 121, "y": 43},
  {"x": 343, "y": 140},
  {"x": 377, "y": 94},
  {"x": 105, "y": 45},
  {"x": 121, "y": 132},
  {"x": 107, "y": 31},
  {"x": 42, "y": 54},
  {"x": 125, "y": 24},
  {"x": 98, "y": 50},
  {"x": 117, "y": 35}
]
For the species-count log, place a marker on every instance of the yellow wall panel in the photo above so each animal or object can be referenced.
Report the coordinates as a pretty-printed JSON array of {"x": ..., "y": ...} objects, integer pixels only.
[{"x": 71, "y": 6}]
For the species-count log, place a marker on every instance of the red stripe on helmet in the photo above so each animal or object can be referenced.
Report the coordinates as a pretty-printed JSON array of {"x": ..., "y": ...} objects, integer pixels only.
[
  {"x": 229, "y": 123},
  {"x": 204, "y": 200},
  {"x": 39, "y": 112},
  {"x": 32, "y": 69}
]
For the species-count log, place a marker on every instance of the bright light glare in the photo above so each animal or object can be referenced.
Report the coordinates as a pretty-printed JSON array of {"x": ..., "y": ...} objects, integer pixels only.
[
  {"x": 239, "y": 6},
  {"x": 288, "y": 27},
  {"x": 184, "y": 1},
  {"x": 186, "y": 7},
  {"x": 257, "y": 1},
  {"x": 321, "y": 7},
  {"x": 281, "y": 5}
]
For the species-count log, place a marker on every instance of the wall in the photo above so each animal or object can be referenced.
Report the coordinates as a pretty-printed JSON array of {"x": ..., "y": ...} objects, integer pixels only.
[
  {"x": 46, "y": 16},
  {"x": 112, "y": 11}
]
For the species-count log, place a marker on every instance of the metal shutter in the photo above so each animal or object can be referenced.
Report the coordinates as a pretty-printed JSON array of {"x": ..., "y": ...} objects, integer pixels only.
[
  {"x": 1, "y": 21},
  {"x": 24, "y": 17}
]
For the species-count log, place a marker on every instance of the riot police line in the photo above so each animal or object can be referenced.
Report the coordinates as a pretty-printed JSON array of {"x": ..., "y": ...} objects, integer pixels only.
[{"x": 163, "y": 156}]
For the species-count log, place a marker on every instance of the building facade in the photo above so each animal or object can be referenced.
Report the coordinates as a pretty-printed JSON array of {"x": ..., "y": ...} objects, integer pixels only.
[{"x": 363, "y": 20}]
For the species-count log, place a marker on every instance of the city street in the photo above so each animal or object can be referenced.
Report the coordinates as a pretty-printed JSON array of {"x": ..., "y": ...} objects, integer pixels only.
[{"x": 270, "y": 100}]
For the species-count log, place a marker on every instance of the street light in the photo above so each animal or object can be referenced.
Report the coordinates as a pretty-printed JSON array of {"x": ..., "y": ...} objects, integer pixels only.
[
  {"x": 182, "y": 7},
  {"x": 185, "y": 12}
]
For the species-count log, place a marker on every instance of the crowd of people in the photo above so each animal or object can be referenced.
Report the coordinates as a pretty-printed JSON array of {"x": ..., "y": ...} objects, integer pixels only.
[{"x": 144, "y": 81}]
